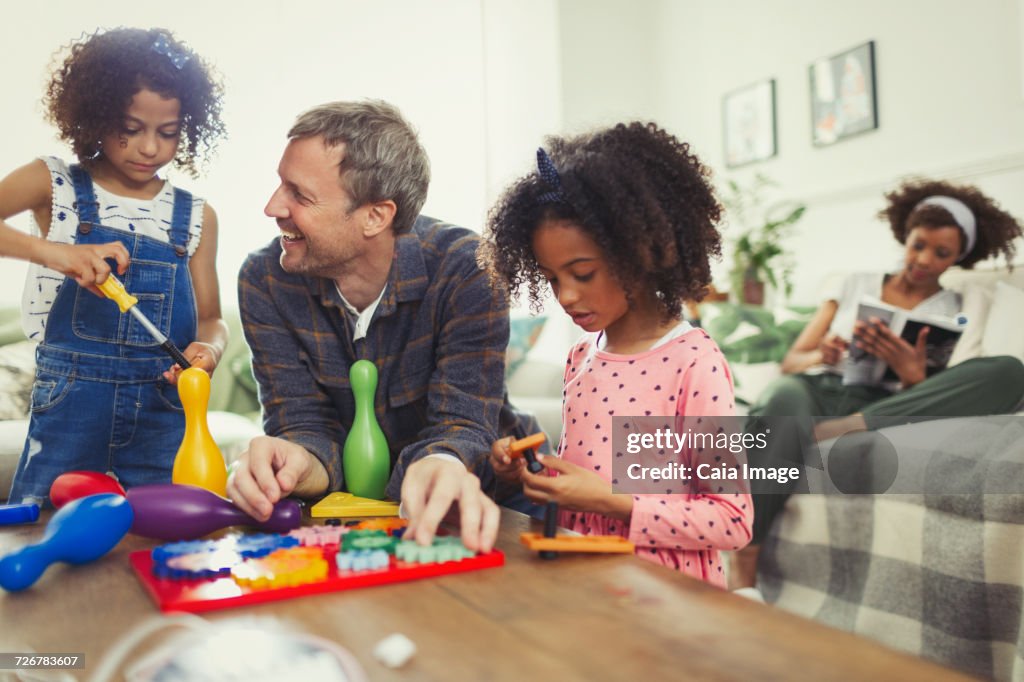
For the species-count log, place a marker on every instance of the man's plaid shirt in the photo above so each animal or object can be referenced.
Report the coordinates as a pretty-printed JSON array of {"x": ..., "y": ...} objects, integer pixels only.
[{"x": 438, "y": 339}]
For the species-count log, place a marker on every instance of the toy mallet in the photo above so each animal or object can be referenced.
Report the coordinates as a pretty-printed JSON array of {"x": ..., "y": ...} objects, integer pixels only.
[
  {"x": 550, "y": 526},
  {"x": 524, "y": 448},
  {"x": 115, "y": 291}
]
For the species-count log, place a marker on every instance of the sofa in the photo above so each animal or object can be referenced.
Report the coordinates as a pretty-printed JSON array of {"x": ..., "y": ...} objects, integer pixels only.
[
  {"x": 538, "y": 348},
  {"x": 755, "y": 339},
  {"x": 937, "y": 567}
]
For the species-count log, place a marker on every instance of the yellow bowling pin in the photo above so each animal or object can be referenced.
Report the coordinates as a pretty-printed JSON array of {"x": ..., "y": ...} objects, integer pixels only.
[{"x": 199, "y": 461}]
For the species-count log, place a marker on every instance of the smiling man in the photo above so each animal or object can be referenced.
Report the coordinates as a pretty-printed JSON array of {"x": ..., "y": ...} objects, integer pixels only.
[{"x": 355, "y": 274}]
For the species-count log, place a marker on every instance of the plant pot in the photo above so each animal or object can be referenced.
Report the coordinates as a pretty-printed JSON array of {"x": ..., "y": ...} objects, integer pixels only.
[{"x": 753, "y": 292}]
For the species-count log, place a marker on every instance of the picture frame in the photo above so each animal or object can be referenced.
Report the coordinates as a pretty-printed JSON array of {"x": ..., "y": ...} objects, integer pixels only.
[
  {"x": 748, "y": 124},
  {"x": 844, "y": 98}
]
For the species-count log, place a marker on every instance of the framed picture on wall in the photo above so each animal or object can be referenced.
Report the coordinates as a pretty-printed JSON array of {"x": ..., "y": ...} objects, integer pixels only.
[
  {"x": 748, "y": 123},
  {"x": 843, "y": 99}
]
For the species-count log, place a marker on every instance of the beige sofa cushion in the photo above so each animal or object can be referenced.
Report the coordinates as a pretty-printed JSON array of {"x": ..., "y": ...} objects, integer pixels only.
[
  {"x": 17, "y": 372},
  {"x": 12, "y": 441},
  {"x": 978, "y": 289},
  {"x": 1004, "y": 328}
]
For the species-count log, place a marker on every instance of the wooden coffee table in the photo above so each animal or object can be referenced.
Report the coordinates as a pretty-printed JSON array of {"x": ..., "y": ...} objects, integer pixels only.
[{"x": 574, "y": 618}]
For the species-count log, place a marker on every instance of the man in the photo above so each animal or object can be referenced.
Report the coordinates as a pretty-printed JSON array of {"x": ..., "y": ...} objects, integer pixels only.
[{"x": 356, "y": 275}]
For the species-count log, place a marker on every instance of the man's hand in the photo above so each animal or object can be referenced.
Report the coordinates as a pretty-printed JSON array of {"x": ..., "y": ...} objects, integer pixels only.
[
  {"x": 431, "y": 486},
  {"x": 272, "y": 469}
]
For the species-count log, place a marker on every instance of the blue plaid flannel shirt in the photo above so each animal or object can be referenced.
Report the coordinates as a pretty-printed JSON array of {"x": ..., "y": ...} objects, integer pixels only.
[{"x": 438, "y": 338}]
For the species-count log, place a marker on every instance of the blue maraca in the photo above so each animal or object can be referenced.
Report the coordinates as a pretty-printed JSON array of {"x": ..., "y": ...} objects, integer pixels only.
[{"x": 82, "y": 531}]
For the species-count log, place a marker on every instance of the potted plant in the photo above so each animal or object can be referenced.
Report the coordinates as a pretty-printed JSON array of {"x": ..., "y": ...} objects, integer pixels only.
[{"x": 759, "y": 255}]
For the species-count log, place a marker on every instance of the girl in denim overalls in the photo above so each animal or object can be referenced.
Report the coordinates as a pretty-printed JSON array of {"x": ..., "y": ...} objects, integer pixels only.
[{"x": 129, "y": 101}]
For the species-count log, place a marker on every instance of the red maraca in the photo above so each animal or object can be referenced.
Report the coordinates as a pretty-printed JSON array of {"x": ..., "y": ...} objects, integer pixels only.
[
  {"x": 72, "y": 485},
  {"x": 168, "y": 511}
]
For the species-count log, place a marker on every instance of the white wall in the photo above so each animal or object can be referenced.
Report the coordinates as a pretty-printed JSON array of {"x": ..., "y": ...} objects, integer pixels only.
[
  {"x": 609, "y": 61},
  {"x": 522, "y": 85},
  {"x": 950, "y": 90},
  {"x": 486, "y": 80},
  {"x": 430, "y": 58}
]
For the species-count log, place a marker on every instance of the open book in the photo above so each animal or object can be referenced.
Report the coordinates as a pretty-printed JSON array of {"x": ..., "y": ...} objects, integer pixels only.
[{"x": 864, "y": 369}]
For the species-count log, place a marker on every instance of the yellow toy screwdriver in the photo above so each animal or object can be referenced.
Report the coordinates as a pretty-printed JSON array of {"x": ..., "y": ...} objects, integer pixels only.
[{"x": 115, "y": 291}]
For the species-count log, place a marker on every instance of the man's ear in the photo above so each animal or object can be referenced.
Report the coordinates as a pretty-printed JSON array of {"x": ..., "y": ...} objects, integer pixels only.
[{"x": 380, "y": 217}]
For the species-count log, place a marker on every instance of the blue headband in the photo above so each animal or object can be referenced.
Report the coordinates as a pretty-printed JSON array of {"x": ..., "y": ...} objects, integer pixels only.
[
  {"x": 162, "y": 46},
  {"x": 549, "y": 176}
]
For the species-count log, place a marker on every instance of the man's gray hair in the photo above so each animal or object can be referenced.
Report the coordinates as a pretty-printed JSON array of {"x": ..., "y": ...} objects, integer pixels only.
[{"x": 383, "y": 157}]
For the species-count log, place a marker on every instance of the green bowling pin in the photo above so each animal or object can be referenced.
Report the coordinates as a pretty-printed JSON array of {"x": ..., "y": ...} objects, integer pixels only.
[{"x": 366, "y": 459}]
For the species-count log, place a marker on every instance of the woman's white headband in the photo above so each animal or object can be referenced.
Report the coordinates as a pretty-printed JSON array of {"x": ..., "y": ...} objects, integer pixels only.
[{"x": 961, "y": 214}]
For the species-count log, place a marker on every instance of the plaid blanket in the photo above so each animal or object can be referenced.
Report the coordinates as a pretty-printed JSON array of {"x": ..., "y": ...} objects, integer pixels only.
[{"x": 937, "y": 569}]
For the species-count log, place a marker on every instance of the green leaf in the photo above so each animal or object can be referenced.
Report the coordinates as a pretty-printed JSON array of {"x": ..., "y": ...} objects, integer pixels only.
[
  {"x": 757, "y": 348},
  {"x": 723, "y": 324},
  {"x": 760, "y": 317},
  {"x": 791, "y": 328}
]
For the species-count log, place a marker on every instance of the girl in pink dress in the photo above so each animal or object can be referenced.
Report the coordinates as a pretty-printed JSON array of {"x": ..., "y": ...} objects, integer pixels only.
[{"x": 621, "y": 224}]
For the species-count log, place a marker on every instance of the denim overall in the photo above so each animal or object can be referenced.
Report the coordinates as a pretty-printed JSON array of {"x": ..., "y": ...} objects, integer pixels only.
[{"x": 99, "y": 402}]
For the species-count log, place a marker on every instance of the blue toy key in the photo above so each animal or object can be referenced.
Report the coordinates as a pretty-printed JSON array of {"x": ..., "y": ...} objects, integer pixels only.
[
  {"x": 11, "y": 514},
  {"x": 82, "y": 531}
]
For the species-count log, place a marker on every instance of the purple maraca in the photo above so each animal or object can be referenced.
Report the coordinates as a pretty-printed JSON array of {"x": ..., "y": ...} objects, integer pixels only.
[{"x": 168, "y": 511}]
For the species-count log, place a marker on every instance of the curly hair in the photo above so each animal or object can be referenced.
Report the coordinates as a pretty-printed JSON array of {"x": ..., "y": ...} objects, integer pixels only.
[
  {"x": 996, "y": 228},
  {"x": 93, "y": 85},
  {"x": 638, "y": 192}
]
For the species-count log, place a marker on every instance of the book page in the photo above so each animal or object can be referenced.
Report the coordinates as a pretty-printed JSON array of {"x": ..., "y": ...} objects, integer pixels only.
[
  {"x": 940, "y": 342},
  {"x": 862, "y": 368}
]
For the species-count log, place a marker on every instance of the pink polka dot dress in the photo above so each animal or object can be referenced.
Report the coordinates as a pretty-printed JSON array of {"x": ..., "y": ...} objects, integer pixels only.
[{"x": 686, "y": 375}]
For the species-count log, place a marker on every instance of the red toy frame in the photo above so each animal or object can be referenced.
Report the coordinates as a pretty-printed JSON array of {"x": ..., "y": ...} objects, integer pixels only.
[{"x": 197, "y": 596}]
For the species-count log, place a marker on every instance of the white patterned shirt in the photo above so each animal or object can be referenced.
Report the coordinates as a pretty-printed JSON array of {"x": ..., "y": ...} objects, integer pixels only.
[{"x": 147, "y": 217}]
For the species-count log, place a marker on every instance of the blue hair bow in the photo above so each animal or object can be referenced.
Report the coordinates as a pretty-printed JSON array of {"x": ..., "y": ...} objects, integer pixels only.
[
  {"x": 163, "y": 46},
  {"x": 549, "y": 176}
]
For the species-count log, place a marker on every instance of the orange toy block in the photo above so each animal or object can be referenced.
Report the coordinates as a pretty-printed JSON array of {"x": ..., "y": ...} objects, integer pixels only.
[
  {"x": 594, "y": 544},
  {"x": 386, "y": 524},
  {"x": 516, "y": 447},
  {"x": 282, "y": 568}
]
